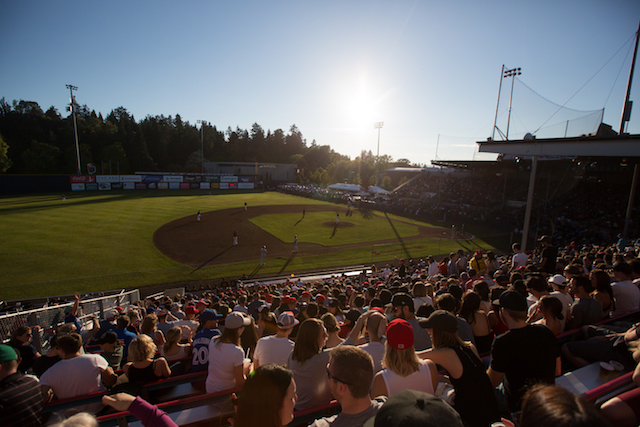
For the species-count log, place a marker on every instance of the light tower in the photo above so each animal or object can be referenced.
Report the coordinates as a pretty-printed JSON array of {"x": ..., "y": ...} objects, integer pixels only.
[
  {"x": 75, "y": 126},
  {"x": 202, "y": 123},
  {"x": 378, "y": 125}
]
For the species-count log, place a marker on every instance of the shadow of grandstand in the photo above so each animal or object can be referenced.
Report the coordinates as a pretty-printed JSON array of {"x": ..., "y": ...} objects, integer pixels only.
[
  {"x": 293, "y": 254},
  {"x": 255, "y": 271},
  {"x": 407, "y": 255},
  {"x": 366, "y": 213},
  {"x": 211, "y": 259}
]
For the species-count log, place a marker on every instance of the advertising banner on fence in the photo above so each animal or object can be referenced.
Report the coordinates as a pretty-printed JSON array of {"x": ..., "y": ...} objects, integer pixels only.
[
  {"x": 174, "y": 185},
  {"x": 163, "y": 186},
  {"x": 152, "y": 178},
  {"x": 172, "y": 178},
  {"x": 130, "y": 178},
  {"x": 246, "y": 179},
  {"x": 82, "y": 179},
  {"x": 129, "y": 185},
  {"x": 245, "y": 185},
  {"x": 215, "y": 185},
  {"x": 77, "y": 187},
  {"x": 152, "y": 185},
  {"x": 224, "y": 185},
  {"x": 210, "y": 178},
  {"x": 116, "y": 186},
  {"x": 205, "y": 185},
  {"x": 107, "y": 178},
  {"x": 91, "y": 186},
  {"x": 227, "y": 178},
  {"x": 141, "y": 186},
  {"x": 185, "y": 185},
  {"x": 192, "y": 178},
  {"x": 104, "y": 186}
]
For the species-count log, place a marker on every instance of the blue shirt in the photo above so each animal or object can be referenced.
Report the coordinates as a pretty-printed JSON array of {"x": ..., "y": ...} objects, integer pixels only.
[
  {"x": 125, "y": 338},
  {"x": 200, "y": 353}
]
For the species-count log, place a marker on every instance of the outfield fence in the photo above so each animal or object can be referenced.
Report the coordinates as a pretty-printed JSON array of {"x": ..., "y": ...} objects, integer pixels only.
[{"x": 49, "y": 318}]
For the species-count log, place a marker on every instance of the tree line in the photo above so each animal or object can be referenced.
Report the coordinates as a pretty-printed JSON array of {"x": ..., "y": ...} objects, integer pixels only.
[{"x": 37, "y": 142}]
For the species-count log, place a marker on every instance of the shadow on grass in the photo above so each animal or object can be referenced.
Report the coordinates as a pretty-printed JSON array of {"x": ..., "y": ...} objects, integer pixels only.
[
  {"x": 293, "y": 254},
  {"x": 255, "y": 271},
  {"x": 209, "y": 260},
  {"x": 367, "y": 213},
  {"x": 407, "y": 255},
  {"x": 335, "y": 229}
]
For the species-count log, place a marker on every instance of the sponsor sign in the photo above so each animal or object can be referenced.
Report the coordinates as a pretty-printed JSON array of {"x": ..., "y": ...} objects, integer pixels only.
[
  {"x": 152, "y": 185},
  {"x": 224, "y": 185},
  {"x": 107, "y": 178},
  {"x": 77, "y": 187},
  {"x": 246, "y": 179},
  {"x": 205, "y": 185},
  {"x": 210, "y": 178},
  {"x": 191, "y": 178},
  {"x": 215, "y": 185},
  {"x": 91, "y": 169},
  {"x": 226, "y": 178},
  {"x": 174, "y": 185},
  {"x": 233, "y": 185},
  {"x": 92, "y": 186},
  {"x": 195, "y": 186},
  {"x": 104, "y": 186},
  {"x": 246, "y": 185},
  {"x": 129, "y": 185},
  {"x": 185, "y": 185},
  {"x": 116, "y": 186},
  {"x": 140, "y": 186},
  {"x": 163, "y": 186},
  {"x": 130, "y": 178},
  {"x": 82, "y": 179},
  {"x": 152, "y": 178},
  {"x": 172, "y": 178}
]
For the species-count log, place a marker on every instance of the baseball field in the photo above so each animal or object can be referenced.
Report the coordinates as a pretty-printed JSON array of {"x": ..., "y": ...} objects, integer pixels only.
[{"x": 96, "y": 241}]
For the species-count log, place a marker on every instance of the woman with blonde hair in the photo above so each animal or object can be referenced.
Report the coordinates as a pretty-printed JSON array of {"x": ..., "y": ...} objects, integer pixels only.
[
  {"x": 227, "y": 367},
  {"x": 308, "y": 362},
  {"x": 172, "y": 349},
  {"x": 333, "y": 329},
  {"x": 475, "y": 400},
  {"x": 402, "y": 367},
  {"x": 149, "y": 327},
  {"x": 141, "y": 368}
]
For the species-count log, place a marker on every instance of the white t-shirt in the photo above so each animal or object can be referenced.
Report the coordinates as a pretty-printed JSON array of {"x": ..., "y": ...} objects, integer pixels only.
[
  {"x": 273, "y": 349},
  {"x": 419, "y": 301},
  {"x": 519, "y": 259},
  {"x": 419, "y": 380},
  {"x": 627, "y": 296},
  {"x": 192, "y": 324},
  {"x": 223, "y": 359}
]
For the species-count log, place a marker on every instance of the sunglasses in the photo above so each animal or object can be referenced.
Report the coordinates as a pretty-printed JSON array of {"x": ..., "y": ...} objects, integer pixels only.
[{"x": 334, "y": 378}]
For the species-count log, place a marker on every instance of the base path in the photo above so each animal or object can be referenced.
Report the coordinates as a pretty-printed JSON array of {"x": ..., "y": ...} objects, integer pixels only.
[{"x": 210, "y": 241}]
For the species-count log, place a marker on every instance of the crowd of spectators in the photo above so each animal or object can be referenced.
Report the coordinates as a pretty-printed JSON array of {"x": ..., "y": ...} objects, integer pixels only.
[{"x": 361, "y": 340}]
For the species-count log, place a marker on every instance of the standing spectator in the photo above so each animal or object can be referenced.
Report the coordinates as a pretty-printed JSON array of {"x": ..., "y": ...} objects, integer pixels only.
[
  {"x": 524, "y": 354},
  {"x": 350, "y": 372},
  {"x": 276, "y": 348},
  {"x": 452, "y": 267},
  {"x": 463, "y": 262},
  {"x": 519, "y": 258},
  {"x": 76, "y": 374},
  {"x": 548, "y": 255},
  {"x": 402, "y": 307},
  {"x": 626, "y": 294},
  {"x": 477, "y": 263},
  {"x": 402, "y": 367},
  {"x": 20, "y": 395},
  {"x": 433, "y": 266},
  {"x": 492, "y": 264}
]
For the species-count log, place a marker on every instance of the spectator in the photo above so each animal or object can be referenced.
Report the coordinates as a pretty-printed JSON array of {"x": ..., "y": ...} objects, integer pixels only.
[
  {"x": 141, "y": 368},
  {"x": 519, "y": 258},
  {"x": 411, "y": 408},
  {"x": 420, "y": 296},
  {"x": 402, "y": 368},
  {"x": 609, "y": 345},
  {"x": 624, "y": 409},
  {"x": 227, "y": 367},
  {"x": 71, "y": 314},
  {"x": 41, "y": 364},
  {"x": 166, "y": 321},
  {"x": 350, "y": 372},
  {"x": 482, "y": 333},
  {"x": 375, "y": 325},
  {"x": 403, "y": 308},
  {"x": 268, "y": 398},
  {"x": 448, "y": 303},
  {"x": 267, "y": 322},
  {"x": 21, "y": 341},
  {"x": 477, "y": 263},
  {"x": 559, "y": 284},
  {"x": 585, "y": 310},
  {"x": 602, "y": 292},
  {"x": 331, "y": 324},
  {"x": 548, "y": 255},
  {"x": 276, "y": 348},
  {"x": 149, "y": 328},
  {"x": 112, "y": 351},
  {"x": 475, "y": 400},
  {"x": 524, "y": 354},
  {"x": 626, "y": 294},
  {"x": 208, "y": 329},
  {"x": 550, "y": 308},
  {"x": 20, "y": 395},
  {"x": 188, "y": 324},
  {"x": 307, "y": 361},
  {"x": 492, "y": 264},
  {"x": 172, "y": 349},
  {"x": 76, "y": 374},
  {"x": 125, "y": 336}
]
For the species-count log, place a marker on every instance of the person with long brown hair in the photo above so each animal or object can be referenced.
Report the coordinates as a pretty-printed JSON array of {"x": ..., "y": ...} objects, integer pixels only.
[{"x": 602, "y": 291}]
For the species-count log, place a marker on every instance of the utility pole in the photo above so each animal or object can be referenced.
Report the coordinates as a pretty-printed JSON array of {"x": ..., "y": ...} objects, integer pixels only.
[
  {"x": 378, "y": 125},
  {"x": 202, "y": 124},
  {"x": 75, "y": 127}
]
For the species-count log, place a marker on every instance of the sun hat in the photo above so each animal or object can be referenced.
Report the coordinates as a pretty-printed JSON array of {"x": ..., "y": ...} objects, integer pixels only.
[
  {"x": 287, "y": 320},
  {"x": 411, "y": 408},
  {"x": 235, "y": 320},
  {"x": 400, "y": 334},
  {"x": 7, "y": 353},
  {"x": 441, "y": 320}
]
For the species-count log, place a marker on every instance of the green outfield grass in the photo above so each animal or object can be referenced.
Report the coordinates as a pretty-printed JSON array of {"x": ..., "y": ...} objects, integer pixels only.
[{"x": 98, "y": 241}]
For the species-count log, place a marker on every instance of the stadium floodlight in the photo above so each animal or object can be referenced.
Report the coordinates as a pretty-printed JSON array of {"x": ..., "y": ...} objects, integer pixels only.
[
  {"x": 378, "y": 125},
  {"x": 511, "y": 73},
  {"x": 75, "y": 126},
  {"x": 202, "y": 123}
]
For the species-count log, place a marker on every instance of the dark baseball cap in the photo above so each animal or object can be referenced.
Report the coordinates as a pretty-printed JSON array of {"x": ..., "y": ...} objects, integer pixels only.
[
  {"x": 512, "y": 300},
  {"x": 401, "y": 299},
  {"x": 441, "y": 320},
  {"x": 411, "y": 408},
  {"x": 109, "y": 337},
  {"x": 209, "y": 314}
]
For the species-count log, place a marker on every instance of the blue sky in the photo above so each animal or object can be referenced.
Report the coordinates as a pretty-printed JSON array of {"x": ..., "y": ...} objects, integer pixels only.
[{"x": 429, "y": 70}]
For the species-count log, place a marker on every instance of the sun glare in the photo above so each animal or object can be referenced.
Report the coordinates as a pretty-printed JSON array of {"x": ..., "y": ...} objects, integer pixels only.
[{"x": 359, "y": 107}]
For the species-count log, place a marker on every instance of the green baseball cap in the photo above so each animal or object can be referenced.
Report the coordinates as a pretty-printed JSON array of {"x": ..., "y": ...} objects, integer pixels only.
[{"x": 7, "y": 353}]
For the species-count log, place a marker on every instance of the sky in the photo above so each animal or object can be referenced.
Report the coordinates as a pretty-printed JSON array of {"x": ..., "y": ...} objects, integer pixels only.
[{"x": 429, "y": 70}]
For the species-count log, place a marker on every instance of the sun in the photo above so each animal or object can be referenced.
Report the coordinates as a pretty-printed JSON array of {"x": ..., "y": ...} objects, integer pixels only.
[{"x": 359, "y": 107}]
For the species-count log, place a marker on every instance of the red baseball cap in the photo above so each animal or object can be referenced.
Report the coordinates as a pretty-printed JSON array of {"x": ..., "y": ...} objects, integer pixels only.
[
  {"x": 320, "y": 298},
  {"x": 400, "y": 334},
  {"x": 191, "y": 310}
]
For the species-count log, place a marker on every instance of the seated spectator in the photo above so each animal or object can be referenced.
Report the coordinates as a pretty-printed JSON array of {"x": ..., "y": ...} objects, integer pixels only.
[
  {"x": 610, "y": 345},
  {"x": 227, "y": 367},
  {"x": 149, "y": 328},
  {"x": 111, "y": 349},
  {"x": 267, "y": 322},
  {"x": 308, "y": 362},
  {"x": 333, "y": 329},
  {"x": 267, "y": 398},
  {"x": 124, "y": 335},
  {"x": 585, "y": 310},
  {"x": 550, "y": 308},
  {"x": 403, "y": 308},
  {"x": 626, "y": 294},
  {"x": 188, "y": 324},
  {"x": 402, "y": 368},
  {"x": 276, "y": 348},
  {"x": 559, "y": 284},
  {"x": 482, "y": 333},
  {"x": 448, "y": 303},
  {"x": 21, "y": 341},
  {"x": 76, "y": 374},
  {"x": 411, "y": 408},
  {"x": 20, "y": 395},
  {"x": 374, "y": 323},
  {"x": 350, "y": 319},
  {"x": 602, "y": 292},
  {"x": 166, "y": 321},
  {"x": 141, "y": 368},
  {"x": 624, "y": 409},
  {"x": 41, "y": 364},
  {"x": 420, "y": 296},
  {"x": 350, "y": 372},
  {"x": 208, "y": 330},
  {"x": 174, "y": 350}
]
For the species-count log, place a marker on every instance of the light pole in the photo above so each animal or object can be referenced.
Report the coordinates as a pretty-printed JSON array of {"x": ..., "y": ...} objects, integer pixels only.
[
  {"x": 378, "y": 125},
  {"x": 202, "y": 125},
  {"x": 75, "y": 126},
  {"x": 511, "y": 73}
]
